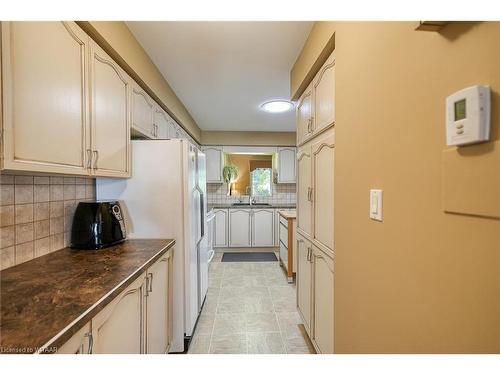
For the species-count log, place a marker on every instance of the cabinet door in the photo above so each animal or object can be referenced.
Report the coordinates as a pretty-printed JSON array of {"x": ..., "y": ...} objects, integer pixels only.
[
  {"x": 304, "y": 280},
  {"x": 171, "y": 129},
  {"x": 323, "y": 170},
  {"x": 45, "y": 97},
  {"x": 159, "y": 306},
  {"x": 119, "y": 327},
  {"x": 215, "y": 161},
  {"x": 304, "y": 197},
  {"x": 287, "y": 157},
  {"x": 324, "y": 96},
  {"x": 240, "y": 228},
  {"x": 276, "y": 228},
  {"x": 142, "y": 112},
  {"x": 262, "y": 228},
  {"x": 110, "y": 108},
  {"x": 304, "y": 116},
  {"x": 176, "y": 131},
  {"x": 323, "y": 301},
  {"x": 79, "y": 343},
  {"x": 162, "y": 123},
  {"x": 221, "y": 228}
]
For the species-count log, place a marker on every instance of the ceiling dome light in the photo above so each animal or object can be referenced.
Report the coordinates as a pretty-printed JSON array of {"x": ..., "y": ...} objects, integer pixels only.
[{"x": 277, "y": 106}]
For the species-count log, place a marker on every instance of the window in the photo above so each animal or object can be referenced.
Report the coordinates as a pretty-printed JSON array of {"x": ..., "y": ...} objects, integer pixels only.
[{"x": 261, "y": 182}]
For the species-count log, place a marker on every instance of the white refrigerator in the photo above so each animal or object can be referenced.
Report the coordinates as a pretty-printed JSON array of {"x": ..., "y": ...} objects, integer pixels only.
[{"x": 166, "y": 198}]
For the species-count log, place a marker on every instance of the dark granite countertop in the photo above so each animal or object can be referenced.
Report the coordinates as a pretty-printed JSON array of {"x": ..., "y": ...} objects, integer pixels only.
[
  {"x": 44, "y": 301},
  {"x": 256, "y": 205}
]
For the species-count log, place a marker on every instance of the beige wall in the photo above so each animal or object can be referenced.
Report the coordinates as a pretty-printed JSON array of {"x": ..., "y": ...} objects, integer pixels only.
[
  {"x": 126, "y": 49},
  {"x": 248, "y": 138},
  {"x": 422, "y": 280}
]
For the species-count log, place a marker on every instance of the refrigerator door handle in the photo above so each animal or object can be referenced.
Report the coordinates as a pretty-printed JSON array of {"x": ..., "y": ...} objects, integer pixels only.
[{"x": 202, "y": 213}]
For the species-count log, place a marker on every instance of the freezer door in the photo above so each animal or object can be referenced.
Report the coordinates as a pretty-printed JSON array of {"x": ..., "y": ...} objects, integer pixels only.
[
  {"x": 203, "y": 247},
  {"x": 191, "y": 260}
]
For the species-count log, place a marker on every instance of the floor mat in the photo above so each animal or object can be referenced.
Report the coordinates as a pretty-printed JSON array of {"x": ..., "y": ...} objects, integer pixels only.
[{"x": 249, "y": 257}]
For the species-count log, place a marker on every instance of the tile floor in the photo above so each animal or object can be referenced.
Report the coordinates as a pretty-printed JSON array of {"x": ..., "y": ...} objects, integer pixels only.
[{"x": 250, "y": 308}]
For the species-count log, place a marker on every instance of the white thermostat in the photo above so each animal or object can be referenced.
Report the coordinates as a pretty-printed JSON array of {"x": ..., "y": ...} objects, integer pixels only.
[{"x": 468, "y": 116}]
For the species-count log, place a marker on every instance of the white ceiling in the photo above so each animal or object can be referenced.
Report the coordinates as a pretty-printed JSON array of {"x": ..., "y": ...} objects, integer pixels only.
[{"x": 223, "y": 71}]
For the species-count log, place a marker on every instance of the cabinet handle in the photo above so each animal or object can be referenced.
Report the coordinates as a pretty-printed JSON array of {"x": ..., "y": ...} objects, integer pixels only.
[
  {"x": 312, "y": 195},
  {"x": 91, "y": 342},
  {"x": 309, "y": 125},
  {"x": 312, "y": 123},
  {"x": 96, "y": 153},
  {"x": 89, "y": 158},
  {"x": 309, "y": 251},
  {"x": 150, "y": 286}
]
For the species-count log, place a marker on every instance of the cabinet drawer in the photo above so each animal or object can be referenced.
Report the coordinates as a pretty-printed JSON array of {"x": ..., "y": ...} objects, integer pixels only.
[{"x": 284, "y": 234}]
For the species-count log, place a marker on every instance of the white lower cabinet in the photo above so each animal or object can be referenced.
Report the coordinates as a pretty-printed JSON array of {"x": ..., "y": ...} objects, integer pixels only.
[
  {"x": 315, "y": 293},
  {"x": 262, "y": 227},
  {"x": 138, "y": 320},
  {"x": 240, "y": 228},
  {"x": 159, "y": 306},
  {"x": 323, "y": 301},
  {"x": 119, "y": 327},
  {"x": 253, "y": 227},
  {"x": 276, "y": 227},
  {"x": 304, "y": 281},
  {"x": 79, "y": 343},
  {"x": 221, "y": 228}
]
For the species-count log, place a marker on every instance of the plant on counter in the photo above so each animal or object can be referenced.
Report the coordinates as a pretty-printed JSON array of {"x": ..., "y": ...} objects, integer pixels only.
[{"x": 230, "y": 174}]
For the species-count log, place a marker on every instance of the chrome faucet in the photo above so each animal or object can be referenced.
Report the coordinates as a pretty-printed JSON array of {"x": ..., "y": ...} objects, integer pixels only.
[{"x": 250, "y": 199}]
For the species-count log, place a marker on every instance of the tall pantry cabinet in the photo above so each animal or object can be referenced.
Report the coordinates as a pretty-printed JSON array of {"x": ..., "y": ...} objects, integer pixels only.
[{"x": 315, "y": 206}]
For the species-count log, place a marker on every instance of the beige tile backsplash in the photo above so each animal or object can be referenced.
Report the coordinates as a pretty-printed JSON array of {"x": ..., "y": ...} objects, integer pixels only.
[
  {"x": 282, "y": 194},
  {"x": 36, "y": 214}
]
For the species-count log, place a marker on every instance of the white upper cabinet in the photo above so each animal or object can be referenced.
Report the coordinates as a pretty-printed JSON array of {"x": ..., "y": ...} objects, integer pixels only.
[
  {"x": 240, "y": 228},
  {"x": 66, "y": 103},
  {"x": 316, "y": 105},
  {"x": 215, "y": 163},
  {"x": 304, "y": 116},
  {"x": 110, "y": 121},
  {"x": 162, "y": 123},
  {"x": 287, "y": 157},
  {"x": 262, "y": 227},
  {"x": 45, "y": 97},
  {"x": 323, "y": 169},
  {"x": 142, "y": 112},
  {"x": 324, "y": 96}
]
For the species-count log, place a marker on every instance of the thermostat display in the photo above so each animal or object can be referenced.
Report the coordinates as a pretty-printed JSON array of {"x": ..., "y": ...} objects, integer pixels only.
[{"x": 468, "y": 116}]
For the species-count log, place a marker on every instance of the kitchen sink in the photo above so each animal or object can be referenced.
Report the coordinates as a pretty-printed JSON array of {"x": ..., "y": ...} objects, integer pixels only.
[{"x": 249, "y": 205}]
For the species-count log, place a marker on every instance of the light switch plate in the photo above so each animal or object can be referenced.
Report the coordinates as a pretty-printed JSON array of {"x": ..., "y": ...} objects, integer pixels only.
[{"x": 376, "y": 204}]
